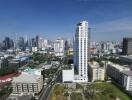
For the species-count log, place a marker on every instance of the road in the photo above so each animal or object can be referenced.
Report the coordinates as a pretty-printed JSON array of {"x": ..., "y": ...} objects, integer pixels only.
[{"x": 45, "y": 93}]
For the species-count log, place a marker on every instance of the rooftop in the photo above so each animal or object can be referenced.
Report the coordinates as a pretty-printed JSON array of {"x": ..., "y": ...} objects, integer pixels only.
[
  {"x": 26, "y": 78},
  {"x": 119, "y": 67},
  {"x": 94, "y": 64},
  {"x": 128, "y": 73}
]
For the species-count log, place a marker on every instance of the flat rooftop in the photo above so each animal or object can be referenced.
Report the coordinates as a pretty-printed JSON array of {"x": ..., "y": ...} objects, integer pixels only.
[
  {"x": 128, "y": 73},
  {"x": 26, "y": 78},
  {"x": 119, "y": 67}
]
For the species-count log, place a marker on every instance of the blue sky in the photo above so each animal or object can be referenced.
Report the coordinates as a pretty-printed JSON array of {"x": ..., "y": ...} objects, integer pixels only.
[{"x": 109, "y": 19}]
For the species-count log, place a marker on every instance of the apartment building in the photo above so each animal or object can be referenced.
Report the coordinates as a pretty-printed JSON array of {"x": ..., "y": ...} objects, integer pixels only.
[
  {"x": 120, "y": 74},
  {"x": 95, "y": 71}
]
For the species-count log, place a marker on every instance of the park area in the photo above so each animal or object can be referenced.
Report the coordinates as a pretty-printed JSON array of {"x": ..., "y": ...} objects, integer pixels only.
[{"x": 94, "y": 91}]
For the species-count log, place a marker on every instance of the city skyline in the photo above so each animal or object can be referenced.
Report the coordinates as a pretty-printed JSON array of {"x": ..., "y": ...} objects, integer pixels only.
[{"x": 109, "y": 19}]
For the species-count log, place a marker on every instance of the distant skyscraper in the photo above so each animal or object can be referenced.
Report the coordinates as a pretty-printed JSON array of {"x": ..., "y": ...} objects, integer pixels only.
[
  {"x": 81, "y": 51},
  {"x": 127, "y": 46},
  {"x": 59, "y": 47},
  {"x": 21, "y": 43},
  {"x": 37, "y": 40},
  {"x": 7, "y": 43}
]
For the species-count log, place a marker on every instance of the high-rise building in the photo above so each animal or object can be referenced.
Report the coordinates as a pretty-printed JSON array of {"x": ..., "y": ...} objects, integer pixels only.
[
  {"x": 59, "y": 47},
  {"x": 127, "y": 46},
  {"x": 37, "y": 39},
  {"x": 81, "y": 51},
  {"x": 43, "y": 44},
  {"x": 21, "y": 43},
  {"x": 7, "y": 43}
]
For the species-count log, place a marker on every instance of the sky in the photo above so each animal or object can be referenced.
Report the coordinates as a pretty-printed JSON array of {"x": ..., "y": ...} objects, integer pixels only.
[{"x": 109, "y": 20}]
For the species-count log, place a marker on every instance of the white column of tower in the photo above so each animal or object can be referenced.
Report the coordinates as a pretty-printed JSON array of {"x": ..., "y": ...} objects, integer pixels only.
[{"x": 81, "y": 50}]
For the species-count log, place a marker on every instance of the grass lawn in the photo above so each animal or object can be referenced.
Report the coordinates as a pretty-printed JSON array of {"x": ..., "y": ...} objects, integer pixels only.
[
  {"x": 59, "y": 93},
  {"x": 109, "y": 92},
  {"x": 76, "y": 96}
]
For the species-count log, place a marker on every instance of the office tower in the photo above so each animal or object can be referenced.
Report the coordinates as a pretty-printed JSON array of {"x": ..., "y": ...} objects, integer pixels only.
[
  {"x": 37, "y": 39},
  {"x": 81, "y": 51},
  {"x": 33, "y": 42},
  {"x": 127, "y": 46},
  {"x": 7, "y": 43},
  {"x": 21, "y": 43},
  {"x": 59, "y": 46}
]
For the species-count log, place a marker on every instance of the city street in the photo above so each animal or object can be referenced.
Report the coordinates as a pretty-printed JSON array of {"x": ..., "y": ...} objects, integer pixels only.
[{"x": 45, "y": 93}]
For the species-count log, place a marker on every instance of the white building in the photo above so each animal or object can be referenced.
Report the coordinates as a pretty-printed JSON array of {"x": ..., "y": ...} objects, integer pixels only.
[
  {"x": 43, "y": 43},
  {"x": 127, "y": 80},
  {"x": 120, "y": 74},
  {"x": 68, "y": 75},
  {"x": 27, "y": 84},
  {"x": 81, "y": 51},
  {"x": 114, "y": 70},
  {"x": 34, "y": 49},
  {"x": 59, "y": 47}
]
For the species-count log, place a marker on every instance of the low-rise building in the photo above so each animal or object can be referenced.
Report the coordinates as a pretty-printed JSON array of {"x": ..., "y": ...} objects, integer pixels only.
[
  {"x": 27, "y": 84},
  {"x": 121, "y": 75},
  {"x": 114, "y": 71},
  {"x": 96, "y": 72},
  {"x": 127, "y": 80},
  {"x": 34, "y": 49},
  {"x": 68, "y": 76}
]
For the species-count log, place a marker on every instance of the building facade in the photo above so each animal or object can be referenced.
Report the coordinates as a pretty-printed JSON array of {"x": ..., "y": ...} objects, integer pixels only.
[
  {"x": 81, "y": 51},
  {"x": 27, "y": 84},
  {"x": 95, "y": 72},
  {"x": 127, "y": 80},
  {"x": 121, "y": 75},
  {"x": 59, "y": 47}
]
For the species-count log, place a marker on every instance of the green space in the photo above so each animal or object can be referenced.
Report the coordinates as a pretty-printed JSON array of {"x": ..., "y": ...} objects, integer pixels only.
[
  {"x": 42, "y": 58},
  {"x": 76, "y": 96},
  {"x": 104, "y": 91},
  {"x": 49, "y": 72},
  {"x": 59, "y": 93},
  {"x": 92, "y": 91}
]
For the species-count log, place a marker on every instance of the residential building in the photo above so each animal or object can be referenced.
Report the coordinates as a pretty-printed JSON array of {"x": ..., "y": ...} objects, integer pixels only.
[
  {"x": 127, "y": 80},
  {"x": 43, "y": 43},
  {"x": 127, "y": 46},
  {"x": 121, "y": 75},
  {"x": 81, "y": 51},
  {"x": 59, "y": 47},
  {"x": 114, "y": 71},
  {"x": 95, "y": 71}
]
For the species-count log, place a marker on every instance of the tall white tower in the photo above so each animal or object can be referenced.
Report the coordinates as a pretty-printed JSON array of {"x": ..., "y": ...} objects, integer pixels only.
[{"x": 81, "y": 51}]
